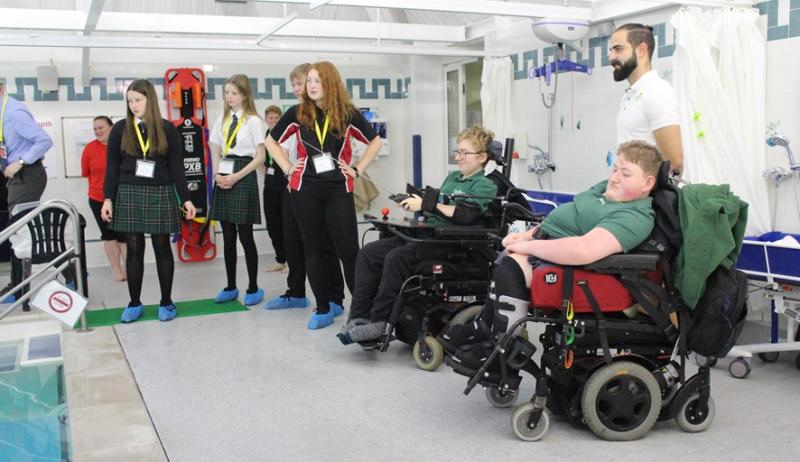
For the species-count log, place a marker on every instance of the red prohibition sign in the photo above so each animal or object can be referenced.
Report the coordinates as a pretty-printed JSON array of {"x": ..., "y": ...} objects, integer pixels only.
[{"x": 60, "y": 301}]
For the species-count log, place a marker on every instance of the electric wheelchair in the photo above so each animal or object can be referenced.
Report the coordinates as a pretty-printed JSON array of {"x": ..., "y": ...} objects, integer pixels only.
[
  {"x": 449, "y": 284},
  {"x": 618, "y": 376}
]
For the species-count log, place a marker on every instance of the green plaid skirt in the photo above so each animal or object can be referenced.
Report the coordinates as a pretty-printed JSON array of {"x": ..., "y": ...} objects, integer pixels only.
[
  {"x": 241, "y": 204},
  {"x": 150, "y": 209}
]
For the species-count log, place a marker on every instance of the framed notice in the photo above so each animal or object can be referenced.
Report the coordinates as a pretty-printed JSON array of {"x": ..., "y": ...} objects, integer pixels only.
[{"x": 76, "y": 133}]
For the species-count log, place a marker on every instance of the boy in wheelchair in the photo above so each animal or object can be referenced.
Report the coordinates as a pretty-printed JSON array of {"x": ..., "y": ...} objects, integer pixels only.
[
  {"x": 611, "y": 217},
  {"x": 383, "y": 266}
]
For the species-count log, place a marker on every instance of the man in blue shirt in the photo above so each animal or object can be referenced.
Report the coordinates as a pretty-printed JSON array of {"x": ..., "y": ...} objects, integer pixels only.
[{"x": 23, "y": 145}]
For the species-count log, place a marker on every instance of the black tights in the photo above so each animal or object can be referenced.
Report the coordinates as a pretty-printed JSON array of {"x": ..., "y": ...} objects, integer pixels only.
[
  {"x": 229, "y": 231},
  {"x": 134, "y": 266}
]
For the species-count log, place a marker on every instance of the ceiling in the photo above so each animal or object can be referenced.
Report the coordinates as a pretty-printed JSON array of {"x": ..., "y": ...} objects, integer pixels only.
[{"x": 455, "y": 28}]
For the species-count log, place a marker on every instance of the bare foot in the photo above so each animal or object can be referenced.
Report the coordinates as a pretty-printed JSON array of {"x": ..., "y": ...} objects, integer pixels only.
[
  {"x": 119, "y": 277},
  {"x": 276, "y": 267}
]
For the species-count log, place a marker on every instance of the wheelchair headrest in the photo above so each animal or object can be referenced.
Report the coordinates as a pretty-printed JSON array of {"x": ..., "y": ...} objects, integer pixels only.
[
  {"x": 495, "y": 152},
  {"x": 667, "y": 235},
  {"x": 662, "y": 178}
]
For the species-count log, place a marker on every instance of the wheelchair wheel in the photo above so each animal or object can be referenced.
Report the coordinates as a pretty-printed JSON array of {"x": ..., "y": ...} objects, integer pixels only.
[
  {"x": 621, "y": 401},
  {"x": 739, "y": 368},
  {"x": 690, "y": 420},
  {"x": 519, "y": 423},
  {"x": 467, "y": 314},
  {"x": 501, "y": 398},
  {"x": 429, "y": 355},
  {"x": 705, "y": 361}
]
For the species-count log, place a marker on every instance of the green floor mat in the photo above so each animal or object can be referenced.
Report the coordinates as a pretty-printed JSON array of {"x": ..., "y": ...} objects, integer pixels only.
[{"x": 109, "y": 317}]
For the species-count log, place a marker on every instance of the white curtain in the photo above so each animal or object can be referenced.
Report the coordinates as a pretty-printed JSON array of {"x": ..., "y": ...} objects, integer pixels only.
[
  {"x": 719, "y": 79},
  {"x": 496, "y": 81}
]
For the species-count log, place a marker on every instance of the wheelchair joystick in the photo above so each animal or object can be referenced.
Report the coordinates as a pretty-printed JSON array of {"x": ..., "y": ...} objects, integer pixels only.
[{"x": 385, "y": 213}]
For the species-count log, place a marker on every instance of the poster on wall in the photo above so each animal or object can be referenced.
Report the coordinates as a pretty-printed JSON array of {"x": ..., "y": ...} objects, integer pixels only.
[
  {"x": 76, "y": 133},
  {"x": 50, "y": 161}
]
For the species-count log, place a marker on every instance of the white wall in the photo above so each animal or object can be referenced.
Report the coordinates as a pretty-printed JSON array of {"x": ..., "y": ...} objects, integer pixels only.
[
  {"x": 580, "y": 154},
  {"x": 384, "y": 171},
  {"x": 593, "y": 100}
]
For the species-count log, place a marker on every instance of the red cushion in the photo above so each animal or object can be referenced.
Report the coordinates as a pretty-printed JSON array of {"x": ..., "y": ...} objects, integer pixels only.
[{"x": 547, "y": 291}]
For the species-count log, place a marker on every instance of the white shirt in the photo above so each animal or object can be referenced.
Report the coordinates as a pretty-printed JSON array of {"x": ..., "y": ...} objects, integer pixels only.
[
  {"x": 649, "y": 104},
  {"x": 249, "y": 136}
]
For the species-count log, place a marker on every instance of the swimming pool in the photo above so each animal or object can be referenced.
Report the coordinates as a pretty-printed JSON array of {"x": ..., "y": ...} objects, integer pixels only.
[{"x": 33, "y": 408}]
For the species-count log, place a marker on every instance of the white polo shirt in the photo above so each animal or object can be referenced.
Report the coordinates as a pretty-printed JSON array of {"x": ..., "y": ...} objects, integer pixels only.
[
  {"x": 649, "y": 104},
  {"x": 249, "y": 136}
]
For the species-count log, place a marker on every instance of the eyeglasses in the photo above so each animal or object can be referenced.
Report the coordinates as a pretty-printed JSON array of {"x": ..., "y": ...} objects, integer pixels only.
[{"x": 462, "y": 153}]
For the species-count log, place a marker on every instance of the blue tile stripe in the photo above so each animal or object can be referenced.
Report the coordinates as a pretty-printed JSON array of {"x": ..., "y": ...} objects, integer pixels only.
[
  {"x": 268, "y": 88},
  {"x": 278, "y": 88},
  {"x": 665, "y": 46}
]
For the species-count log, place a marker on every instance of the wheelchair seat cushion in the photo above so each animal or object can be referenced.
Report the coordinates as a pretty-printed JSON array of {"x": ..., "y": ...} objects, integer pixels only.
[{"x": 547, "y": 290}]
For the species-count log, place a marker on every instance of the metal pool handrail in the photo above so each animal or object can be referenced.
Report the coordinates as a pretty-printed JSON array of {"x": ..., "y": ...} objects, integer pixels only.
[{"x": 63, "y": 261}]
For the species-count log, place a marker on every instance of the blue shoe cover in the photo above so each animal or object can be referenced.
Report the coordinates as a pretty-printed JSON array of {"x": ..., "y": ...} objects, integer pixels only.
[
  {"x": 255, "y": 298},
  {"x": 282, "y": 302},
  {"x": 336, "y": 308},
  {"x": 226, "y": 295},
  {"x": 9, "y": 299},
  {"x": 167, "y": 312},
  {"x": 318, "y": 321},
  {"x": 131, "y": 313},
  {"x": 71, "y": 285}
]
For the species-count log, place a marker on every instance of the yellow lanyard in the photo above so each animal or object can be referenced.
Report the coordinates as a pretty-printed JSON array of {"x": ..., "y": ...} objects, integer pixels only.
[
  {"x": 2, "y": 117},
  {"x": 321, "y": 136},
  {"x": 229, "y": 137},
  {"x": 145, "y": 146}
]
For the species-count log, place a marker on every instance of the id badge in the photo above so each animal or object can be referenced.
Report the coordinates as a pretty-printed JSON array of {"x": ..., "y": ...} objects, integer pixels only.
[
  {"x": 226, "y": 167},
  {"x": 3, "y": 154},
  {"x": 145, "y": 168},
  {"x": 323, "y": 163},
  {"x": 271, "y": 171}
]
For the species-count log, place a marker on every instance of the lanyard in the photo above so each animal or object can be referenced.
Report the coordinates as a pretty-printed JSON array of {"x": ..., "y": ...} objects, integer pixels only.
[
  {"x": 2, "y": 117},
  {"x": 145, "y": 146},
  {"x": 229, "y": 137},
  {"x": 321, "y": 136}
]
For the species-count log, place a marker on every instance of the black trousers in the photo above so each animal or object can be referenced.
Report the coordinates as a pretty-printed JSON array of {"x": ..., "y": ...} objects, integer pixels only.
[
  {"x": 27, "y": 186},
  {"x": 327, "y": 223},
  {"x": 381, "y": 268},
  {"x": 273, "y": 214},
  {"x": 295, "y": 257}
]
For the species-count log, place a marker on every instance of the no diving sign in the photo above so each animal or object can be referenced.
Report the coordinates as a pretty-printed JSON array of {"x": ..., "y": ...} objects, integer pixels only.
[{"x": 60, "y": 302}]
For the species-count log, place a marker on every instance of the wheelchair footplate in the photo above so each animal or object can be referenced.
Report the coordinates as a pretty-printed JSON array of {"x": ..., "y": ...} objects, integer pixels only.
[{"x": 379, "y": 344}]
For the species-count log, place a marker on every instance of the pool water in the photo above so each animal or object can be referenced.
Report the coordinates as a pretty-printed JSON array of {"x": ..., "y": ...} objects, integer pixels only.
[{"x": 33, "y": 414}]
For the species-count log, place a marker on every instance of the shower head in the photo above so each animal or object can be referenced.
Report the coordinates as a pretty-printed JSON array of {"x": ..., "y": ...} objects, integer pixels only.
[{"x": 777, "y": 140}]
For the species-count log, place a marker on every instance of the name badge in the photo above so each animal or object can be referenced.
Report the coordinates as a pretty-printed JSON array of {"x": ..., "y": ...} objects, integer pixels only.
[
  {"x": 145, "y": 168},
  {"x": 226, "y": 167},
  {"x": 271, "y": 171},
  {"x": 3, "y": 154},
  {"x": 323, "y": 162}
]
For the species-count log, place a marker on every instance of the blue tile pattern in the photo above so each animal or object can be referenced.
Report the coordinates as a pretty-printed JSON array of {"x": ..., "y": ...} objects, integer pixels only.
[
  {"x": 278, "y": 88},
  {"x": 664, "y": 48}
]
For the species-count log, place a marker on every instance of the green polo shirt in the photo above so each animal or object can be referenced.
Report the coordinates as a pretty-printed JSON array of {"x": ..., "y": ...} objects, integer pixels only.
[
  {"x": 476, "y": 184},
  {"x": 630, "y": 222}
]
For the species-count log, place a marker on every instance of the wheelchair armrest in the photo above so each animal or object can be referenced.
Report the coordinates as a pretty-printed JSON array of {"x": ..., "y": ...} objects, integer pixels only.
[
  {"x": 460, "y": 232},
  {"x": 626, "y": 261}
]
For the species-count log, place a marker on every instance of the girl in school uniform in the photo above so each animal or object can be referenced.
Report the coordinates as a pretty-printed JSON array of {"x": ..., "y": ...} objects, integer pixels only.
[
  {"x": 144, "y": 188},
  {"x": 321, "y": 180},
  {"x": 237, "y": 144}
]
